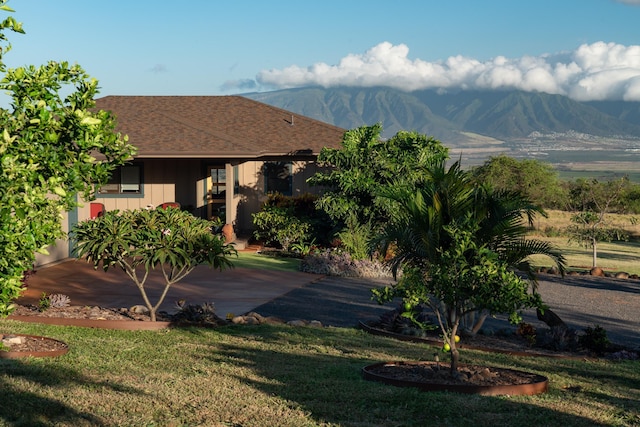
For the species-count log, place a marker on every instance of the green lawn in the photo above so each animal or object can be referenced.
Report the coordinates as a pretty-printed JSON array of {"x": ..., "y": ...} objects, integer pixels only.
[
  {"x": 283, "y": 376},
  {"x": 254, "y": 260},
  {"x": 612, "y": 257}
]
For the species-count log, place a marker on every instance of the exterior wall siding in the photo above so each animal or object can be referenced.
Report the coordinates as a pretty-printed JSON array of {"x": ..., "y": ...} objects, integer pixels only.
[{"x": 183, "y": 181}]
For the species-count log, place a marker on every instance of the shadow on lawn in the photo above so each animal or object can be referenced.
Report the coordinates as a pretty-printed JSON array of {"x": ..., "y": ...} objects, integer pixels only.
[
  {"x": 28, "y": 408},
  {"x": 325, "y": 380}
]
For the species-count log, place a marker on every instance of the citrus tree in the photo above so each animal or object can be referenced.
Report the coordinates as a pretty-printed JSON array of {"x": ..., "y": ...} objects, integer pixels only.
[
  {"x": 457, "y": 246},
  {"x": 139, "y": 241},
  {"x": 52, "y": 148}
]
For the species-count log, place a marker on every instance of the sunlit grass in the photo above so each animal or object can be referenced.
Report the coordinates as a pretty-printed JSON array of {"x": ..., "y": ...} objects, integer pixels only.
[
  {"x": 283, "y": 376},
  {"x": 611, "y": 256},
  {"x": 263, "y": 262}
]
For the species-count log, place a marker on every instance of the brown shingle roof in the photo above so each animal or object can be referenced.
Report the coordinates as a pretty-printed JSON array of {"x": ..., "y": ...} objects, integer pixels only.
[{"x": 215, "y": 126}]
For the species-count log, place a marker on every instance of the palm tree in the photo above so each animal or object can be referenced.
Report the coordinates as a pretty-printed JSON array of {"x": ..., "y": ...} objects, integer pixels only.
[{"x": 457, "y": 246}]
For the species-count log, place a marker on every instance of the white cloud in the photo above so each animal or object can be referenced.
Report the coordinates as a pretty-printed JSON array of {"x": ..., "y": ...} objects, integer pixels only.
[{"x": 595, "y": 71}]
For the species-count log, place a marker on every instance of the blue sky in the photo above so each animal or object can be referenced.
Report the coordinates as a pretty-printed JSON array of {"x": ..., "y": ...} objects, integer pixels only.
[{"x": 586, "y": 49}]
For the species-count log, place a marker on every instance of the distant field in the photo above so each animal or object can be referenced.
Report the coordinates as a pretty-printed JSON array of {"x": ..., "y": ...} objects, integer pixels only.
[
  {"x": 612, "y": 257},
  {"x": 602, "y": 170},
  {"x": 561, "y": 219},
  {"x": 601, "y": 164}
]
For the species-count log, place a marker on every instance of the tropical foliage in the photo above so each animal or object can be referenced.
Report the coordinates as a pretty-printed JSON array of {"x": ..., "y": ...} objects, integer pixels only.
[
  {"x": 364, "y": 164},
  {"x": 138, "y": 241},
  {"x": 456, "y": 246},
  {"x": 49, "y": 150}
]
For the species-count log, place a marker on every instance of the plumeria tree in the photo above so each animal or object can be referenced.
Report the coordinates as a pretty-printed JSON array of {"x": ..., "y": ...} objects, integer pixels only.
[
  {"x": 53, "y": 147},
  {"x": 139, "y": 241},
  {"x": 457, "y": 246}
]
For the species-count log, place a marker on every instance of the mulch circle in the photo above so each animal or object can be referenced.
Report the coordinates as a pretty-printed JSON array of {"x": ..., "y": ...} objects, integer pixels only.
[
  {"x": 472, "y": 379},
  {"x": 33, "y": 346}
]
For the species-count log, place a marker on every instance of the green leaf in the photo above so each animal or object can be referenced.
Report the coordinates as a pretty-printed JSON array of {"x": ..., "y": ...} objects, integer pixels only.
[{"x": 91, "y": 121}]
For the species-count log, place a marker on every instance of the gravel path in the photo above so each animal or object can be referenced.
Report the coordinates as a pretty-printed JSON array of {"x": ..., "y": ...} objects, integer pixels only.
[
  {"x": 581, "y": 301},
  {"x": 586, "y": 301}
]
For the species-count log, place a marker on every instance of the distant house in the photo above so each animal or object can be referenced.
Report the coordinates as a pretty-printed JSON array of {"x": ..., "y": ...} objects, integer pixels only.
[{"x": 217, "y": 156}]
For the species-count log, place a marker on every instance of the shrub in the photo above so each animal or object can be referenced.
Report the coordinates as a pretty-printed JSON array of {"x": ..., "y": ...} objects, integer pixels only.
[
  {"x": 595, "y": 339},
  {"x": 277, "y": 225},
  {"x": 528, "y": 332},
  {"x": 44, "y": 303},
  {"x": 303, "y": 208},
  {"x": 355, "y": 238},
  {"x": 59, "y": 300}
]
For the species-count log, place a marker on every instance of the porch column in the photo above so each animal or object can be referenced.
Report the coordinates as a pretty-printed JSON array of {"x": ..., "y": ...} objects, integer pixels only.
[{"x": 229, "y": 204}]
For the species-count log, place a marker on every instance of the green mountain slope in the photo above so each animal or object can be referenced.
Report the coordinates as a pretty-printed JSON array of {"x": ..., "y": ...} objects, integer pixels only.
[{"x": 504, "y": 115}]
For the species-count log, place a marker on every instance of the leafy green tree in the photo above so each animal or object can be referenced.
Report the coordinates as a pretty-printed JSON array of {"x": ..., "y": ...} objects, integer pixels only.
[
  {"x": 457, "y": 245},
  {"x": 52, "y": 148},
  {"x": 138, "y": 241},
  {"x": 592, "y": 201},
  {"x": 536, "y": 180},
  {"x": 364, "y": 164}
]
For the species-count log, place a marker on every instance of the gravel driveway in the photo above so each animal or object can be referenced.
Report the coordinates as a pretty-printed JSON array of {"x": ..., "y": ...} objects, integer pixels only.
[{"x": 581, "y": 301}]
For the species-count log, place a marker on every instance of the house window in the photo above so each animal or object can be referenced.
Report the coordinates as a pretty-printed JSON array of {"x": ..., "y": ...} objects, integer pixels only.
[
  {"x": 124, "y": 180},
  {"x": 218, "y": 183},
  {"x": 236, "y": 180},
  {"x": 278, "y": 178}
]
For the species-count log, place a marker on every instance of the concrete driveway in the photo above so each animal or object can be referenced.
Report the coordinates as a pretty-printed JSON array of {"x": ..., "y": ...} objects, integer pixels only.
[
  {"x": 581, "y": 301},
  {"x": 236, "y": 290}
]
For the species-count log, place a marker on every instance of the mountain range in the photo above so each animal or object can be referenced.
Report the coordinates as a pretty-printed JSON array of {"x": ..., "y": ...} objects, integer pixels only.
[{"x": 478, "y": 121}]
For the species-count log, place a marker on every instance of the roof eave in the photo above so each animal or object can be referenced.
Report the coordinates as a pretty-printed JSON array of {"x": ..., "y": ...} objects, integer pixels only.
[{"x": 227, "y": 155}]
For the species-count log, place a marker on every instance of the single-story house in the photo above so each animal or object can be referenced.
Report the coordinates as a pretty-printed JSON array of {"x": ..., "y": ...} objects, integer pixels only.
[{"x": 216, "y": 156}]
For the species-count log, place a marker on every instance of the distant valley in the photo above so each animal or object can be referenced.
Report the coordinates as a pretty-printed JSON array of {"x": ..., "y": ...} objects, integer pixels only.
[{"x": 599, "y": 138}]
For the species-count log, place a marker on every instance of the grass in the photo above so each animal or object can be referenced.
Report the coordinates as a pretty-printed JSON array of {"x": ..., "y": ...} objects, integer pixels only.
[
  {"x": 263, "y": 262},
  {"x": 283, "y": 376},
  {"x": 611, "y": 256}
]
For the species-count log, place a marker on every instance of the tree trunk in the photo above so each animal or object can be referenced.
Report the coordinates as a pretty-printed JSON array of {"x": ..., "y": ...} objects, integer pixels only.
[
  {"x": 455, "y": 355},
  {"x": 594, "y": 243}
]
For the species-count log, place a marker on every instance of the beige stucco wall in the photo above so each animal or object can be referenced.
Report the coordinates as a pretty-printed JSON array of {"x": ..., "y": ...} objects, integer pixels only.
[{"x": 184, "y": 181}]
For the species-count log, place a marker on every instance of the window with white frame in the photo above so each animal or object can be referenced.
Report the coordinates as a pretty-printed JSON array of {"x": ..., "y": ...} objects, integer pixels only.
[{"x": 125, "y": 179}]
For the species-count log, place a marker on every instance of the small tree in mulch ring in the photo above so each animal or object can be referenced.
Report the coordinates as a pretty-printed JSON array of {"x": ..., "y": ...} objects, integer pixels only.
[
  {"x": 467, "y": 277},
  {"x": 458, "y": 245},
  {"x": 138, "y": 241}
]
